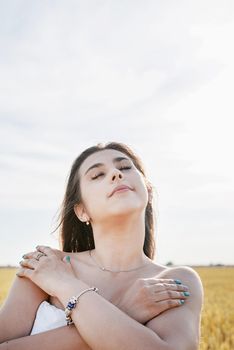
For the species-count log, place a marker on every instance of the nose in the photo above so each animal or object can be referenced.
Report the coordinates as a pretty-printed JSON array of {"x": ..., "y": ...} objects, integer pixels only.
[{"x": 116, "y": 174}]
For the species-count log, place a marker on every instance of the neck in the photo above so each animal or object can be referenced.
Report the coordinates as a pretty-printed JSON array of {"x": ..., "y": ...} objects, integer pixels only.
[{"x": 119, "y": 244}]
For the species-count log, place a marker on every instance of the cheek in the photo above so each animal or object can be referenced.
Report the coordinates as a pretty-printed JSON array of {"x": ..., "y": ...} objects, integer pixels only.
[
  {"x": 93, "y": 199},
  {"x": 142, "y": 190}
]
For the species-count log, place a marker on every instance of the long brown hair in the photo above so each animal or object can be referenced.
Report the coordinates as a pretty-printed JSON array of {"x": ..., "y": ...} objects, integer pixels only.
[{"x": 75, "y": 235}]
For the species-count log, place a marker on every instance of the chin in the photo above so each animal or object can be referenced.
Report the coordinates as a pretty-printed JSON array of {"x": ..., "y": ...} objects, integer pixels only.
[{"x": 125, "y": 208}]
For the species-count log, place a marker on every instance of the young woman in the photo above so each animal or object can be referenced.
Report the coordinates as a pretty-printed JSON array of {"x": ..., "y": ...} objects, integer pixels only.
[{"x": 124, "y": 299}]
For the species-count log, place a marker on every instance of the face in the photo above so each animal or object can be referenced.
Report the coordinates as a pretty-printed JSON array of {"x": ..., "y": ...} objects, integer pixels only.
[{"x": 99, "y": 175}]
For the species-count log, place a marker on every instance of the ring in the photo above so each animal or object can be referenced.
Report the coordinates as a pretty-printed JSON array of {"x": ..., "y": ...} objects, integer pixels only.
[{"x": 39, "y": 255}]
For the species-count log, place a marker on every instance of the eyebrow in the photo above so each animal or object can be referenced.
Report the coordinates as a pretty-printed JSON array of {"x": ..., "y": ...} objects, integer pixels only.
[{"x": 97, "y": 165}]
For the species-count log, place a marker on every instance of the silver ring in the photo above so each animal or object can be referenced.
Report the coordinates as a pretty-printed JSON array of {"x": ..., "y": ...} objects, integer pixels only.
[{"x": 39, "y": 255}]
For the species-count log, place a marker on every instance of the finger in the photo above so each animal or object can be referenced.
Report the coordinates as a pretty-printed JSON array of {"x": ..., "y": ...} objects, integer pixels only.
[
  {"x": 168, "y": 304},
  {"x": 159, "y": 287},
  {"x": 58, "y": 253},
  {"x": 24, "y": 272},
  {"x": 28, "y": 255},
  {"x": 164, "y": 286},
  {"x": 179, "y": 287},
  {"x": 31, "y": 255},
  {"x": 46, "y": 250},
  {"x": 163, "y": 280},
  {"x": 170, "y": 294},
  {"x": 30, "y": 263},
  {"x": 67, "y": 259}
]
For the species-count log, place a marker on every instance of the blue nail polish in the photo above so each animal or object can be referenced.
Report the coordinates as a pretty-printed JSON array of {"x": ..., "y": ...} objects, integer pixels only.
[
  {"x": 178, "y": 281},
  {"x": 187, "y": 294},
  {"x": 68, "y": 259},
  {"x": 182, "y": 302}
]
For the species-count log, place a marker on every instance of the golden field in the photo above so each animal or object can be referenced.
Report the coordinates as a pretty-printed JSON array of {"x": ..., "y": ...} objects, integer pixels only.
[
  {"x": 6, "y": 278},
  {"x": 217, "y": 328}
]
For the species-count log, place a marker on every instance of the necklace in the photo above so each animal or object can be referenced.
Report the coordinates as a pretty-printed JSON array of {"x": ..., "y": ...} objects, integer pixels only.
[{"x": 104, "y": 269}]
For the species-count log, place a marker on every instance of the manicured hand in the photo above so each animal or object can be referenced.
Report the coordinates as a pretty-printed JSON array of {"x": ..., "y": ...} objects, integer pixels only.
[
  {"x": 146, "y": 298},
  {"x": 49, "y": 270}
]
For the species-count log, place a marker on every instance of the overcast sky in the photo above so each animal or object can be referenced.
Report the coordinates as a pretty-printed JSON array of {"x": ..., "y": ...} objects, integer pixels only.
[{"x": 156, "y": 75}]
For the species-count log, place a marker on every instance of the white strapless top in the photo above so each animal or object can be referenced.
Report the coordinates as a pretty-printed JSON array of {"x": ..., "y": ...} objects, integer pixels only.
[{"x": 48, "y": 317}]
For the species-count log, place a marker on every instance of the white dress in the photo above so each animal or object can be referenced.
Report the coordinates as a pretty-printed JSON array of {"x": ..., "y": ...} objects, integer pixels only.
[{"x": 48, "y": 317}]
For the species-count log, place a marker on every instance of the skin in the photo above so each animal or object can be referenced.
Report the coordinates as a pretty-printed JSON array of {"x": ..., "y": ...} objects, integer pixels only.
[
  {"x": 117, "y": 221},
  {"x": 118, "y": 227}
]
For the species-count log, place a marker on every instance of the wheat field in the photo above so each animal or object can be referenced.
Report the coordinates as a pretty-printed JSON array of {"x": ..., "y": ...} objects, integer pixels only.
[{"x": 217, "y": 327}]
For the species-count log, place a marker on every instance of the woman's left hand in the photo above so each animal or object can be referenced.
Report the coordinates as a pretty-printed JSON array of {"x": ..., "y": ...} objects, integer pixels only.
[{"x": 47, "y": 270}]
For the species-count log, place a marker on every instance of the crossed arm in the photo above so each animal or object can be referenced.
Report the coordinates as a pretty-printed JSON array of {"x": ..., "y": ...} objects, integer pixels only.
[
  {"x": 104, "y": 326},
  {"x": 64, "y": 338}
]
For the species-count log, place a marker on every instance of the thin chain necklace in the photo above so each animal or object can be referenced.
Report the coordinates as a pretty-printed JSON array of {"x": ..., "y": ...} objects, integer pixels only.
[{"x": 104, "y": 269}]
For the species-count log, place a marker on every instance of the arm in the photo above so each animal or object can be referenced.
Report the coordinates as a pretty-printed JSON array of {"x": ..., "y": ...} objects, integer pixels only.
[
  {"x": 23, "y": 299},
  {"x": 66, "y": 338},
  {"x": 103, "y": 326},
  {"x": 180, "y": 327},
  {"x": 59, "y": 338}
]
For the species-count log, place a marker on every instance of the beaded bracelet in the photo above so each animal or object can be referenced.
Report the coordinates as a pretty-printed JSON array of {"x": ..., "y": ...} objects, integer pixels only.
[{"x": 73, "y": 302}]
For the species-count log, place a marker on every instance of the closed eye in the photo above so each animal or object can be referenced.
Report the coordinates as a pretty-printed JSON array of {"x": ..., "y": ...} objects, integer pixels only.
[{"x": 100, "y": 174}]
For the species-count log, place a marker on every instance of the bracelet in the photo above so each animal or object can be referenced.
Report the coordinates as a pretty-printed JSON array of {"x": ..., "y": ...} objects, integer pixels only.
[{"x": 73, "y": 302}]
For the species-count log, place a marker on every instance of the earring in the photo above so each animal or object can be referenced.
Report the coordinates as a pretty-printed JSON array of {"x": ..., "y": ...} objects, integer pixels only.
[{"x": 87, "y": 222}]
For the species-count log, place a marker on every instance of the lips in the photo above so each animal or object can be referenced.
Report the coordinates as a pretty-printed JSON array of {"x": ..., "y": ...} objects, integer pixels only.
[{"x": 121, "y": 187}]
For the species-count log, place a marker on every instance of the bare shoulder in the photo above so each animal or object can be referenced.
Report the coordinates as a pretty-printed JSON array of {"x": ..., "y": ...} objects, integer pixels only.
[
  {"x": 182, "y": 271},
  {"x": 180, "y": 326},
  {"x": 187, "y": 275}
]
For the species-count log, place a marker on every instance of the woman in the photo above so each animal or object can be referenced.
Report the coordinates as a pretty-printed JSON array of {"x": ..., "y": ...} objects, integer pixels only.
[{"x": 124, "y": 299}]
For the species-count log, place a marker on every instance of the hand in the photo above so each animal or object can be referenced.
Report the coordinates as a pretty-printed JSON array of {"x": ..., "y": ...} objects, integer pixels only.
[
  {"x": 146, "y": 298},
  {"x": 59, "y": 253},
  {"x": 50, "y": 271}
]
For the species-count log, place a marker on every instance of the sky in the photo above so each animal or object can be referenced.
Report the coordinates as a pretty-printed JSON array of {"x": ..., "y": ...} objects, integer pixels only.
[{"x": 156, "y": 75}]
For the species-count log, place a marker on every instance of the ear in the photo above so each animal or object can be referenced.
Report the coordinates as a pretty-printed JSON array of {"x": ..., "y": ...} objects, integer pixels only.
[
  {"x": 150, "y": 192},
  {"x": 80, "y": 212}
]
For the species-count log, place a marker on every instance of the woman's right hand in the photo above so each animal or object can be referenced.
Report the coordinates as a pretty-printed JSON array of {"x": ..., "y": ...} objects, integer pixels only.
[{"x": 146, "y": 298}]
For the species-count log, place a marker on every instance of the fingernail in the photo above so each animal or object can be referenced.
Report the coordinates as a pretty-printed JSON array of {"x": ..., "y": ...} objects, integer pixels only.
[
  {"x": 181, "y": 302},
  {"x": 187, "y": 294},
  {"x": 178, "y": 281},
  {"x": 68, "y": 259}
]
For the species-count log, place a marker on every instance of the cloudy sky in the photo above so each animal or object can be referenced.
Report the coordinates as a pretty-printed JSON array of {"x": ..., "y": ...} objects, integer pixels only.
[{"x": 156, "y": 75}]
